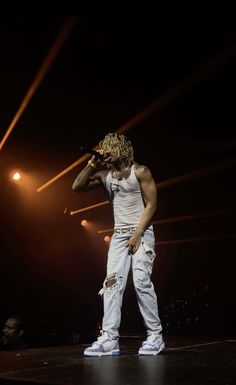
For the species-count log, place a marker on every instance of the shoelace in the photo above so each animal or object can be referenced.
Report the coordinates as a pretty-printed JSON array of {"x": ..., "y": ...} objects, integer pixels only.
[
  {"x": 150, "y": 340},
  {"x": 101, "y": 339}
]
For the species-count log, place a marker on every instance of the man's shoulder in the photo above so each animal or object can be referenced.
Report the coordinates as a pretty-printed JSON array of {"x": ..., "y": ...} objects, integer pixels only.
[{"x": 140, "y": 169}]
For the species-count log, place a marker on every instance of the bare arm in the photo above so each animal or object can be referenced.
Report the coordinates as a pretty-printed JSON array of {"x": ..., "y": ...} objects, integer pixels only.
[
  {"x": 88, "y": 178},
  {"x": 149, "y": 192}
]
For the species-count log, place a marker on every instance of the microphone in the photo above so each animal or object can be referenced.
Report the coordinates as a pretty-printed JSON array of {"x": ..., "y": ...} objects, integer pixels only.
[{"x": 92, "y": 152}]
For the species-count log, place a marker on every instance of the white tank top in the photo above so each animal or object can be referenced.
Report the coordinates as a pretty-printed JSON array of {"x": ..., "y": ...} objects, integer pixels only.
[{"x": 126, "y": 197}]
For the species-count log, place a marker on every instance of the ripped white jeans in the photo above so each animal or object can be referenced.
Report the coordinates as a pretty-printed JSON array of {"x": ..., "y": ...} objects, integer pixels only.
[{"x": 118, "y": 266}]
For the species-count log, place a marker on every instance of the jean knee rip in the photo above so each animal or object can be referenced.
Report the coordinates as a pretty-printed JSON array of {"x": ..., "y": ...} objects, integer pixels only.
[{"x": 114, "y": 288}]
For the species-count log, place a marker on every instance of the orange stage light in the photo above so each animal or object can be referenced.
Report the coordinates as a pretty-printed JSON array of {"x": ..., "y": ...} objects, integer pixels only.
[{"x": 16, "y": 176}]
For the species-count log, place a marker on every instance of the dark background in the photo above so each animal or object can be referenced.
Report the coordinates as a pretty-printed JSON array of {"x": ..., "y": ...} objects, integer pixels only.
[{"x": 107, "y": 72}]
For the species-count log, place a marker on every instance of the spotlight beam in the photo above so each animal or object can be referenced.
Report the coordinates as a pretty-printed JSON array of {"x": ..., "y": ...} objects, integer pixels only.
[
  {"x": 181, "y": 218},
  {"x": 51, "y": 56},
  {"x": 194, "y": 216},
  {"x": 197, "y": 173},
  {"x": 175, "y": 92},
  {"x": 199, "y": 239},
  {"x": 182, "y": 178},
  {"x": 88, "y": 208}
]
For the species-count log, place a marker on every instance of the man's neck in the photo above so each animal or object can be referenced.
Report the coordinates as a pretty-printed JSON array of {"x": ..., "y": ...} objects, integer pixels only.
[{"x": 120, "y": 172}]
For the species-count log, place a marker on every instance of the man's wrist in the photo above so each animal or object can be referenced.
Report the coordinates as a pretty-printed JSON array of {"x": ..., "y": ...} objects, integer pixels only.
[{"x": 139, "y": 229}]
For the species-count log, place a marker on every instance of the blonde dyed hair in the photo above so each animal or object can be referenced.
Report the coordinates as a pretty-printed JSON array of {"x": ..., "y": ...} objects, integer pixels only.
[{"x": 119, "y": 144}]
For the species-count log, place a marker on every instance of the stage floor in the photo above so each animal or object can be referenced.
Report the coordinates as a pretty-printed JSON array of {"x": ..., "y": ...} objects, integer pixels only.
[{"x": 185, "y": 361}]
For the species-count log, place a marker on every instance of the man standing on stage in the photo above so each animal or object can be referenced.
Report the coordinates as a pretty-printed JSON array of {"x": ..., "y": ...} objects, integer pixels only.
[{"x": 132, "y": 191}]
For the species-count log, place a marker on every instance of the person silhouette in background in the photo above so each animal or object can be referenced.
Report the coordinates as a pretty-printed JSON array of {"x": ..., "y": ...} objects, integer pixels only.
[{"x": 12, "y": 335}]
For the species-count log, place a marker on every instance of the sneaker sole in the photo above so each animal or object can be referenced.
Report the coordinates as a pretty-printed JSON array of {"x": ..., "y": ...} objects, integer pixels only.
[
  {"x": 100, "y": 354},
  {"x": 151, "y": 353}
]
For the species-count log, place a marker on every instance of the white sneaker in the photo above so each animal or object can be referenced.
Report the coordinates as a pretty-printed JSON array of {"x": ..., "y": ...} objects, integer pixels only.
[
  {"x": 104, "y": 346},
  {"x": 153, "y": 345}
]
